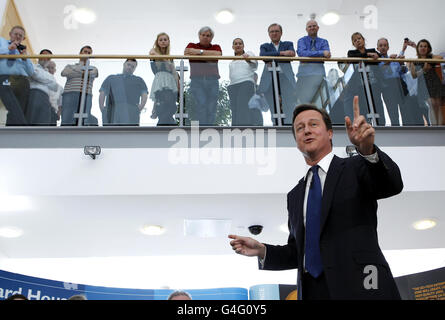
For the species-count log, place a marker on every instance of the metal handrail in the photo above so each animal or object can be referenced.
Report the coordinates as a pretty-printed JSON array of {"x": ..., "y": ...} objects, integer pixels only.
[{"x": 210, "y": 58}]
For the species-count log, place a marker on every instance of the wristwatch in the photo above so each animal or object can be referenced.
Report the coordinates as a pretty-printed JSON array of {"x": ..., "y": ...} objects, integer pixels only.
[{"x": 201, "y": 52}]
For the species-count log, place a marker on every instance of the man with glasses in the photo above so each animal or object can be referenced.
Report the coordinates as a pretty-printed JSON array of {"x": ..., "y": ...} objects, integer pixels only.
[{"x": 14, "y": 84}]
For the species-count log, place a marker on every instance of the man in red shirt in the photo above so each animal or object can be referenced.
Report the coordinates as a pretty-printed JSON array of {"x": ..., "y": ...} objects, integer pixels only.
[{"x": 204, "y": 77}]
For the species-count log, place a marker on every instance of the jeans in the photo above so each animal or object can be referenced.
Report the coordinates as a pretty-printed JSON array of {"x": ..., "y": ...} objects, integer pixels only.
[
  {"x": 71, "y": 105},
  {"x": 205, "y": 92}
]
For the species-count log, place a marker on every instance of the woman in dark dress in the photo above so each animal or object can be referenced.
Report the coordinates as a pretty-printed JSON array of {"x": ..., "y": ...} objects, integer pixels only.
[{"x": 429, "y": 83}]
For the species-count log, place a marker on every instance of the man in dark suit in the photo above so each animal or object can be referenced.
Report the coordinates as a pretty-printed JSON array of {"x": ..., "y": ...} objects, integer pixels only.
[
  {"x": 333, "y": 214},
  {"x": 286, "y": 77}
]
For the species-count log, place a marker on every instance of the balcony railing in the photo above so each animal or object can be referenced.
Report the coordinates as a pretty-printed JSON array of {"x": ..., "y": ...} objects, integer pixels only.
[{"x": 216, "y": 91}]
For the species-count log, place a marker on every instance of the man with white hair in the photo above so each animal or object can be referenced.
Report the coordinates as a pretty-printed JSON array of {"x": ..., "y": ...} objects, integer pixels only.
[
  {"x": 204, "y": 77},
  {"x": 311, "y": 74},
  {"x": 55, "y": 97}
]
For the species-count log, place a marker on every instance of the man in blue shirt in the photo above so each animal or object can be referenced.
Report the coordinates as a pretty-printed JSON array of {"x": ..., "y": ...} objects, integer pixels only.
[
  {"x": 311, "y": 74},
  {"x": 14, "y": 85}
]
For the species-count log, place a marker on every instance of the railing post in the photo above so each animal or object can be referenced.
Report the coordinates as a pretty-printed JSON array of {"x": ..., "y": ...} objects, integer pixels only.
[
  {"x": 81, "y": 115},
  {"x": 181, "y": 115},
  {"x": 363, "y": 69},
  {"x": 276, "y": 112}
]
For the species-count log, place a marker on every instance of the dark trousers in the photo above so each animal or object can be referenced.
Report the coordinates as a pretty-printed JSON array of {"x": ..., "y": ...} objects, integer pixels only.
[
  {"x": 315, "y": 289},
  {"x": 38, "y": 112},
  {"x": 166, "y": 107},
  {"x": 393, "y": 96},
  {"x": 242, "y": 115},
  {"x": 14, "y": 91}
]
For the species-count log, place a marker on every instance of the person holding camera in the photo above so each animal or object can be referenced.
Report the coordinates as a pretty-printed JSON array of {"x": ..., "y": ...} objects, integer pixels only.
[
  {"x": 429, "y": 80},
  {"x": 14, "y": 85}
]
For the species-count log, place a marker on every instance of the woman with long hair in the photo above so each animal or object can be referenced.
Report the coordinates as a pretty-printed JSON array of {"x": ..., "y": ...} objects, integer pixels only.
[
  {"x": 164, "y": 90},
  {"x": 429, "y": 83}
]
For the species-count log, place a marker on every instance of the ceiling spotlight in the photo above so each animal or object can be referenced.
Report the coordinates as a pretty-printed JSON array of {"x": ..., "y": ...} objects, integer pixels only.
[
  {"x": 84, "y": 15},
  {"x": 10, "y": 232},
  {"x": 330, "y": 18},
  {"x": 92, "y": 151},
  {"x": 225, "y": 16},
  {"x": 424, "y": 224},
  {"x": 152, "y": 230}
]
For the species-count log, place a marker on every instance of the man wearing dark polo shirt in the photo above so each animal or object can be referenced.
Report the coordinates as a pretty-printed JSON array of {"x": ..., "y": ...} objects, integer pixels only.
[
  {"x": 126, "y": 96},
  {"x": 204, "y": 77}
]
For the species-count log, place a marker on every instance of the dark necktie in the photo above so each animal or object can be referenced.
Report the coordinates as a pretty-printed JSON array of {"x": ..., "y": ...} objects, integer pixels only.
[
  {"x": 313, "y": 217},
  {"x": 313, "y": 45}
]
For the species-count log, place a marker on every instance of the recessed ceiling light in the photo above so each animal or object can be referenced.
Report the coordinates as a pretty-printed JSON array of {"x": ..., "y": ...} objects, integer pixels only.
[
  {"x": 225, "y": 16},
  {"x": 152, "y": 230},
  {"x": 330, "y": 18},
  {"x": 10, "y": 232},
  {"x": 284, "y": 228},
  {"x": 424, "y": 224},
  {"x": 84, "y": 15}
]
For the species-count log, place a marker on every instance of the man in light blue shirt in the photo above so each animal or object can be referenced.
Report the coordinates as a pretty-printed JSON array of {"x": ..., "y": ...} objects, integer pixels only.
[
  {"x": 14, "y": 85},
  {"x": 311, "y": 74}
]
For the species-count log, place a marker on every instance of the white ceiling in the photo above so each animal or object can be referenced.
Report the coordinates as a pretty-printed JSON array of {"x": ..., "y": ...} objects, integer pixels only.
[
  {"x": 108, "y": 226},
  {"x": 130, "y": 27}
]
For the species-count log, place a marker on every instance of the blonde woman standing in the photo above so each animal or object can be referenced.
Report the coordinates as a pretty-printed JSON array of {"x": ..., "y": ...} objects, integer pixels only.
[{"x": 164, "y": 90}]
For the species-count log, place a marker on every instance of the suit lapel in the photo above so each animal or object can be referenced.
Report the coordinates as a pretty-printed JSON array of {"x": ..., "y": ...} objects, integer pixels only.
[
  {"x": 297, "y": 211},
  {"x": 334, "y": 172}
]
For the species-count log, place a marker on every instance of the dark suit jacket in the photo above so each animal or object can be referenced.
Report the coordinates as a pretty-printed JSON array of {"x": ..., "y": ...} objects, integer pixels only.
[
  {"x": 268, "y": 49},
  {"x": 348, "y": 234}
]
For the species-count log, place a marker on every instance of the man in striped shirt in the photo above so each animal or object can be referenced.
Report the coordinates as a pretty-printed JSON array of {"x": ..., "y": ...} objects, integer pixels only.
[{"x": 75, "y": 74}]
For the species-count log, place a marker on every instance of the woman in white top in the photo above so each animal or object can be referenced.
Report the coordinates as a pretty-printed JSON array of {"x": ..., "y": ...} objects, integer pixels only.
[
  {"x": 164, "y": 90},
  {"x": 242, "y": 87}
]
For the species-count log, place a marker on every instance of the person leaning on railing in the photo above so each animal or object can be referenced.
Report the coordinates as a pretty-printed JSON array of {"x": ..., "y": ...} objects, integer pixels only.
[
  {"x": 164, "y": 90},
  {"x": 311, "y": 75},
  {"x": 204, "y": 77},
  {"x": 39, "y": 109},
  {"x": 359, "y": 42},
  {"x": 286, "y": 77},
  {"x": 429, "y": 80},
  {"x": 14, "y": 85},
  {"x": 242, "y": 87},
  {"x": 73, "y": 89}
]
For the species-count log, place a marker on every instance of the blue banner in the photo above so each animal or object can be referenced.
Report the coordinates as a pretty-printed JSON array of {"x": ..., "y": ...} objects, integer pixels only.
[{"x": 42, "y": 289}]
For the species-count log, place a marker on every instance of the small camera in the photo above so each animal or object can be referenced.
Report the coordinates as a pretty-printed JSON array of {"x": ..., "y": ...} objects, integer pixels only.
[
  {"x": 255, "y": 229},
  {"x": 21, "y": 47}
]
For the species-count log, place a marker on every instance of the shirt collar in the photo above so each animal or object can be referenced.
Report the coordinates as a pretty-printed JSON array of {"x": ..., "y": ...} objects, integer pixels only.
[{"x": 323, "y": 163}]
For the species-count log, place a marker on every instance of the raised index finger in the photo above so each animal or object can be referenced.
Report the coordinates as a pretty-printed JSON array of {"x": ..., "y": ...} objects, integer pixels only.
[{"x": 356, "y": 108}]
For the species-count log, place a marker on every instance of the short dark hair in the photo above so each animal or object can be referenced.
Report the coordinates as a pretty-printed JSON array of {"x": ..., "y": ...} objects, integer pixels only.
[
  {"x": 304, "y": 107},
  {"x": 47, "y": 50},
  {"x": 134, "y": 60},
  {"x": 17, "y": 296},
  {"x": 275, "y": 25},
  {"x": 88, "y": 47}
]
